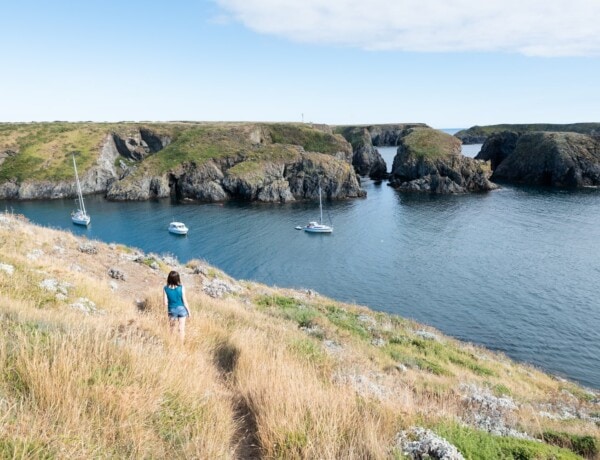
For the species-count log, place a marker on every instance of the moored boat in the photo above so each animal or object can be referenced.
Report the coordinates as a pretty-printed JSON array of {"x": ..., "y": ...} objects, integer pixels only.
[{"x": 178, "y": 228}]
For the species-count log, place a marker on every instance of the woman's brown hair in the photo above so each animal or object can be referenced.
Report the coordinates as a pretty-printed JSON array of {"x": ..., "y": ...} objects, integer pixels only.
[{"x": 173, "y": 279}]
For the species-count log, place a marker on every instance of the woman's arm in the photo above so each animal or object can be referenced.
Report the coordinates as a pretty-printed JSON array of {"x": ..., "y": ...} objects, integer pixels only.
[
  {"x": 185, "y": 302},
  {"x": 165, "y": 299}
]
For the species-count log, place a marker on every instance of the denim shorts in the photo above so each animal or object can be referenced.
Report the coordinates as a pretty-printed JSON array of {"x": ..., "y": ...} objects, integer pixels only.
[{"x": 178, "y": 312}]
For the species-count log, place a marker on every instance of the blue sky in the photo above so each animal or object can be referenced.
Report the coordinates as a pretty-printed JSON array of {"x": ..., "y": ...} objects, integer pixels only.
[{"x": 451, "y": 63}]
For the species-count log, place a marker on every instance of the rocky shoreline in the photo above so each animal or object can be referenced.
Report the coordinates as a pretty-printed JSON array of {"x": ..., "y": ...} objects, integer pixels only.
[{"x": 279, "y": 162}]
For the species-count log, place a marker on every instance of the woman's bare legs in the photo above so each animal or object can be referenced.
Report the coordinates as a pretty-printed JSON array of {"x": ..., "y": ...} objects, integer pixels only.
[{"x": 180, "y": 324}]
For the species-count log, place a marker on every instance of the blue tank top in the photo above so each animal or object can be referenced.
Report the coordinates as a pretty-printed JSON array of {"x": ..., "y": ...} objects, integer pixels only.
[{"x": 174, "y": 297}]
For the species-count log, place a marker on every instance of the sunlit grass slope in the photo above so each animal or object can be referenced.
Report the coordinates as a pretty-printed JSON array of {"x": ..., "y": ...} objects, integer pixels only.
[{"x": 89, "y": 369}]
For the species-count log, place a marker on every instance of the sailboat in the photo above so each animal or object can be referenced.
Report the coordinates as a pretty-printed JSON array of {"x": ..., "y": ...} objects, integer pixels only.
[
  {"x": 318, "y": 227},
  {"x": 79, "y": 216}
]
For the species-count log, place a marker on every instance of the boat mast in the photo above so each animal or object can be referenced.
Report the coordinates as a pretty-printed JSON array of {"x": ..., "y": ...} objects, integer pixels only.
[
  {"x": 320, "y": 206},
  {"x": 79, "y": 194}
]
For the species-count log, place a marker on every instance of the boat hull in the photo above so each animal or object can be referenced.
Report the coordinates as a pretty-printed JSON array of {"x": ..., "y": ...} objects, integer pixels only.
[
  {"x": 81, "y": 219},
  {"x": 321, "y": 229},
  {"x": 178, "y": 232}
]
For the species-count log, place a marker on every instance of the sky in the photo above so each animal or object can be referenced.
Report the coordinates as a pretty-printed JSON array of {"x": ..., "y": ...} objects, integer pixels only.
[{"x": 447, "y": 63}]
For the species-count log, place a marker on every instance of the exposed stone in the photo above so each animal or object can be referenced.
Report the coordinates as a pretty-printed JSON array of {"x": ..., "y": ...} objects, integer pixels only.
[
  {"x": 86, "y": 306},
  {"x": 35, "y": 254},
  {"x": 218, "y": 287},
  {"x": 430, "y": 161},
  {"x": 420, "y": 443},
  {"x": 9, "y": 269},
  {"x": 88, "y": 248},
  {"x": 490, "y": 413},
  {"x": 427, "y": 335},
  {"x": 116, "y": 274},
  {"x": 366, "y": 159},
  {"x": 552, "y": 159},
  {"x": 498, "y": 147}
]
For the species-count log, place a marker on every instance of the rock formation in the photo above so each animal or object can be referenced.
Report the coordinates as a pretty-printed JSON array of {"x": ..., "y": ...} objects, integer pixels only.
[
  {"x": 498, "y": 147},
  {"x": 366, "y": 159},
  {"x": 552, "y": 159},
  {"x": 193, "y": 161},
  {"x": 430, "y": 161},
  {"x": 478, "y": 134}
]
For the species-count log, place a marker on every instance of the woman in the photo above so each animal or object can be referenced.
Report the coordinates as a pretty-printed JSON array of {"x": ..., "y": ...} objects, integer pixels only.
[{"x": 176, "y": 303}]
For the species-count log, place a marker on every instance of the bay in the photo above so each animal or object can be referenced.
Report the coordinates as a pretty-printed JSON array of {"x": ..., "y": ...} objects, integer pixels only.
[{"x": 516, "y": 270}]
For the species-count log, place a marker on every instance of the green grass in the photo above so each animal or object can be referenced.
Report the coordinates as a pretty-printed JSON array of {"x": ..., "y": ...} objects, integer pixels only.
[
  {"x": 25, "y": 449},
  {"x": 347, "y": 321},
  {"x": 430, "y": 143},
  {"x": 582, "y": 128},
  {"x": 479, "y": 445},
  {"x": 586, "y": 446},
  {"x": 310, "y": 139},
  {"x": 290, "y": 308},
  {"x": 178, "y": 419}
]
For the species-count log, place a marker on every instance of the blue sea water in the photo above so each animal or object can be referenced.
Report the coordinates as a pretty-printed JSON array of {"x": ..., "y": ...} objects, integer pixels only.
[{"x": 515, "y": 270}]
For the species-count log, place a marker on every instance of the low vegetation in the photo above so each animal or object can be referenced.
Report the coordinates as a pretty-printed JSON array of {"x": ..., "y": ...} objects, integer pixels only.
[
  {"x": 89, "y": 369},
  {"x": 430, "y": 143},
  {"x": 43, "y": 151},
  {"x": 485, "y": 131}
]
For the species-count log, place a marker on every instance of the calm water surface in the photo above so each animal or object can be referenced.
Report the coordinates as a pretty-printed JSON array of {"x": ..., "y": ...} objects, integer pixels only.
[{"x": 515, "y": 270}]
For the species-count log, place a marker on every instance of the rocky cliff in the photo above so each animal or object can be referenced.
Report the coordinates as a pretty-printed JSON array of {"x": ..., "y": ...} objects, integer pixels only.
[
  {"x": 366, "y": 158},
  {"x": 478, "y": 134},
  {"x": 430, "y": 161},
  {"x": 364, "y": 139},
  {"x": 498, "y": 147},
  {"x": 194, "y": 161},
  {"x": 552, "y": 159}
]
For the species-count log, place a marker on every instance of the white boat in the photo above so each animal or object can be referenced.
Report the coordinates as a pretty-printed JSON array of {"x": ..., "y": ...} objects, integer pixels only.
[
  {"x": 79, "y": 216},
  {"x": 178, "y": 228},
  {"x": 318, "y": 227}
]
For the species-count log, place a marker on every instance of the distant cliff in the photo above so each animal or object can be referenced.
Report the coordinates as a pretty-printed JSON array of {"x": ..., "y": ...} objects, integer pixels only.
[
  {"x": 430, "y": 161},
  {"x": 189, "y": 161},
  {"x": 544, "y": 158},
  {"x": 478, "y": 134},
  {"x": 364, "y": 139}
]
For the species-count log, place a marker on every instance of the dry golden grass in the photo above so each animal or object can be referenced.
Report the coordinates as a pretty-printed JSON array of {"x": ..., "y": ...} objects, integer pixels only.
[{"x": 248, "y": 382}]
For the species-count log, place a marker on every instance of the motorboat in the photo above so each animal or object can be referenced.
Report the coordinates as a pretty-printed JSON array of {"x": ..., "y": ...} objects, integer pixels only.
[
  {"x": 79, "y": 216},
  {"x": 178, "y": 228}
]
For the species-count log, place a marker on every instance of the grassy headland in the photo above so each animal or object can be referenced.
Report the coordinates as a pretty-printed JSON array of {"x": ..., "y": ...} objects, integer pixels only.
[
  {"x": 482, "y": 132},
  {"x": 88, "y": 369},
  {"x": 42, "y": 151}
]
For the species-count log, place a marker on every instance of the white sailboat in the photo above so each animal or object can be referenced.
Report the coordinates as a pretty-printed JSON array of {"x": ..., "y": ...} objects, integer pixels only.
[
  {"x": 318, "y": 227},
  {"x": 79, "y": 216}
]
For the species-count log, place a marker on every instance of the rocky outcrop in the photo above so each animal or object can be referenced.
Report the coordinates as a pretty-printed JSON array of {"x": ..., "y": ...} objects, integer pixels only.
[
  {"x": 140, "y": 143},
  {"x": 265, "y": 162},
  {"x": 498, "y": 147},
  {"x": 94, "y": 180},
  {"x": 430, "y": 161},
  {"x": 479, "y": 134},
  {"x": 389, "y": 135},
  {"x": 268, "y": 181},
  {"x": 552, "y": 159},
  {"x": 366, "y": 159}
]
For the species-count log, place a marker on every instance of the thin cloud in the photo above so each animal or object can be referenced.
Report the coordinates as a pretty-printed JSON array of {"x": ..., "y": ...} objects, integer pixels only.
[{"x": 529, "y": 27}]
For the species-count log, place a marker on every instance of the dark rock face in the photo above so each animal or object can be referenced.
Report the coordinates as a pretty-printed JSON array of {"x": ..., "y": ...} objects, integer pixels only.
[
  {"x": 268, "y": 181},
  {"x": 390, "y": 135},
  {"x": 366, "y": 159},
  {"x": 140, "y": 144},
  {"x": 553, "y": 159},
  {"x": 498, "y": 147},
  {"x": 431, "y": 162}
]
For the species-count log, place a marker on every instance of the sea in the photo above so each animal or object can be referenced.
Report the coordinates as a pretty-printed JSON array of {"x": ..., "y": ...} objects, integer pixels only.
[{"x": 516, "y": 270}]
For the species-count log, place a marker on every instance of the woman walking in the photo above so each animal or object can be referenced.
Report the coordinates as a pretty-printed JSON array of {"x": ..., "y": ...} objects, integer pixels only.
[{"x": 176, "y": 303}]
